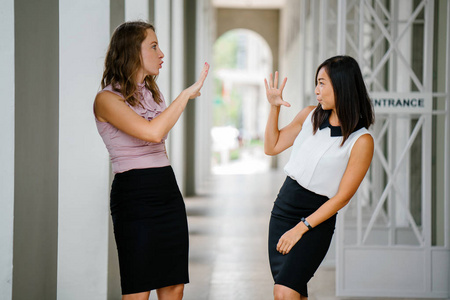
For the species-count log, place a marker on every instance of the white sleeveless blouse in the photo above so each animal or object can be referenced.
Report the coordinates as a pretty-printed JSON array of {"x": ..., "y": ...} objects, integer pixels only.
[{"x": 318, "y": 161}]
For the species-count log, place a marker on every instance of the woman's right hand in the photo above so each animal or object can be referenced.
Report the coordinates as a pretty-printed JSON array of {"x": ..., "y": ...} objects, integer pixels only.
[
  {"x": 194, "y": 90},
  {"x": 273, "y": 93}
]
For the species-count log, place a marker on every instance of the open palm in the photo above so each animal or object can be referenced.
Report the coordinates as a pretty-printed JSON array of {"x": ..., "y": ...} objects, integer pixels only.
[
  {"x": 194, "y": 90},
  {"x": 273, "y": 93}
]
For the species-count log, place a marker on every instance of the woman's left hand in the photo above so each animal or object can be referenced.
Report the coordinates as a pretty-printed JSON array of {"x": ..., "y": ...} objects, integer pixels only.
[{"x": 288, "y": 240}]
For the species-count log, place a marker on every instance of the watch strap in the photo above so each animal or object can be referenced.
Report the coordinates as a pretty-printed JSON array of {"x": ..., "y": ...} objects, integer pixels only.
[{"x": 306, "y": 223}]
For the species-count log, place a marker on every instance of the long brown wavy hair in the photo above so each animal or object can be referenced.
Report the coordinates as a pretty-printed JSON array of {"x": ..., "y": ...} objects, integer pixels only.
[
  {"x": 123, "y": 60},
  {"x": 353, "y": 104}
]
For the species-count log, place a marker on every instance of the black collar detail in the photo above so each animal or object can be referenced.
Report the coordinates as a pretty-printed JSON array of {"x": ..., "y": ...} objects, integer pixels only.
[{"x": 336, "y": 131}]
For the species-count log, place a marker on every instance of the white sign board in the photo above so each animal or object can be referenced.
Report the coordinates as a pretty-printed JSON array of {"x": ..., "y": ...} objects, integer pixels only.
[{"x": 402, "y": 103}]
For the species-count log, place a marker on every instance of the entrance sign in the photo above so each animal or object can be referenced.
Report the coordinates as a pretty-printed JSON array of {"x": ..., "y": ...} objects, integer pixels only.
[{"x": 398, "y": 103}]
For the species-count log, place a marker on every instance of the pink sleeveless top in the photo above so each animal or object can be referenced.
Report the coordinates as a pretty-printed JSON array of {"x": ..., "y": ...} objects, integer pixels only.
[{"x": 127, "y": 152}]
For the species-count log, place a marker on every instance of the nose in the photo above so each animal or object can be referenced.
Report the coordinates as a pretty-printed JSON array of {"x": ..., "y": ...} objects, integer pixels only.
[
  {"x": 161, "y": 54},
  {"x": 316, "y": 90}
]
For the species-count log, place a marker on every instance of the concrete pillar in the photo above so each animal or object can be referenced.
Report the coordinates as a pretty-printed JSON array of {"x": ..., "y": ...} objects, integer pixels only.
[
  {"x": 36, "y": 149},
  {"x": 116, "y": 14},
  {"x": 7, "y": 149},
  {"x": 162, "y": 27},
  {"x": 83, "y": 160},
  {"x": 169, "y": 16},
  {"x": 151, "y": 11},
  {"x": 177, "y": 78},
  {"x": 136, "y": 10},
  {"x": 190, "y": 35},
  {"x": 117, "y": 17},
  {"x": 205, "y": 33}
]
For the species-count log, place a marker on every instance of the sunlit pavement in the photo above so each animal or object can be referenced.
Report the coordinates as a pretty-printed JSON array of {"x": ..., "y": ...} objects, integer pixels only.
[{"x": 228, "y": 225}]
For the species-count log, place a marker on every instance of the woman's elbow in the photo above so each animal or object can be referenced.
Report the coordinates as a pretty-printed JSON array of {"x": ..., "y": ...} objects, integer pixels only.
[
  {"x": 342, "y": 202},
  {"x": 269, "y": 152},
  {"x": 153, "y": 138},
  {"x": 156, "y": 140}
]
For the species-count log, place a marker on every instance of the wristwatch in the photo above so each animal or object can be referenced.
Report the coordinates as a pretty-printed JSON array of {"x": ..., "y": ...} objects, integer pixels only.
[{"x": 306, "y": 223}]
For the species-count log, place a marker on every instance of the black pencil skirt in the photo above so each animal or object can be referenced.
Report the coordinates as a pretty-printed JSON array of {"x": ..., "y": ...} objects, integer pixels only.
[
  {"x": 150, "y": 228},
  {"x": 297, "y": 267}
]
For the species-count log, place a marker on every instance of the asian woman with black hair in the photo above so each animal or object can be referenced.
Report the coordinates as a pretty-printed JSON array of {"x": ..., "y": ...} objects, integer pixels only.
[{"x": 332, "y": 151}]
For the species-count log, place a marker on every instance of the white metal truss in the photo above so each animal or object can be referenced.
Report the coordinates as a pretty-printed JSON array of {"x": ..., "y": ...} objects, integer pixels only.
[{"x": 384, "y": 241}]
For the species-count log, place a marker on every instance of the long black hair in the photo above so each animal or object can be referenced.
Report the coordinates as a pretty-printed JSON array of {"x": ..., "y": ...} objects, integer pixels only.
[{"x": 353, "y": 105}]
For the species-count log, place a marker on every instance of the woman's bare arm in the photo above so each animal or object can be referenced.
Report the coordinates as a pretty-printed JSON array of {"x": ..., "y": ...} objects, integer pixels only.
[
  {"x": 358, "y": 164},
  {"x": 109, "y": 107},
  {"x": 276, "y": 140}
]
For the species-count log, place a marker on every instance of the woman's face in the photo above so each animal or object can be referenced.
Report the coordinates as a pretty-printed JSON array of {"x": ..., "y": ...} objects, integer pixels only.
[
  {"x": 151, "y": 55},
  {"x": 324, "y": 91}
]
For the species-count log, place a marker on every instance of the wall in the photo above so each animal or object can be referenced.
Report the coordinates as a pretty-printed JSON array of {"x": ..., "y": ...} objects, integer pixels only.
[{"x": 263, "y": 21}]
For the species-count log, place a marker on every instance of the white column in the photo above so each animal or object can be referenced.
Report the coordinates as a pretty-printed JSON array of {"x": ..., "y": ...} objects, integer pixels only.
[
  {"x": 83, "y": 160},
  {"x": 206, "y": 25},
  {"x": 136, "y": 10},
  {"x": 177, "y": 136},
  {"x": 162, "y": 27},
  {"x": 169, "y": 30},
  {"x": 7, "y": 148}
]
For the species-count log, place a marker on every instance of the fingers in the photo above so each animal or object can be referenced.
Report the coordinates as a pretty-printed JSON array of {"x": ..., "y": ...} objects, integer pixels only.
[
  {"x": 266, "y": 85},
  {"x": 283, "y": 84},
  {"x": 203, "y": 74},
  {"x": 287, "y": 104},
  {"x": 287, "y": 241},
  {"x": 284, "y": 247},
  {"x": 275, "y": 84}
]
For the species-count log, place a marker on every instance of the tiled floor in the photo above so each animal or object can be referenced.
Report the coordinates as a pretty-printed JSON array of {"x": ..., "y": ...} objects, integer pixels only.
[
  {"x": 228, "y": 237},
  {"x": 228, "y": 225}
]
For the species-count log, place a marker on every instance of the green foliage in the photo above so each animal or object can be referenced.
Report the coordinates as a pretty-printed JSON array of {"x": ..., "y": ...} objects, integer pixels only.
[
  {"x": 225, "y": 51},
  {"x": 235, "y": 154},
  {"x": 227, "y": 112}
]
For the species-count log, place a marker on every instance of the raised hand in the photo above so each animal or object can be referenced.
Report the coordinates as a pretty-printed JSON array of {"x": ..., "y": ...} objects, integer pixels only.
[
  {"x": 273, "y": 93},
  {"x": 194, "y": 90}
]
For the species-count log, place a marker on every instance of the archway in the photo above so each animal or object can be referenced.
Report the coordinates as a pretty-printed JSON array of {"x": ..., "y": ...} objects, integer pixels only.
[{"x": 242, "y": 58}]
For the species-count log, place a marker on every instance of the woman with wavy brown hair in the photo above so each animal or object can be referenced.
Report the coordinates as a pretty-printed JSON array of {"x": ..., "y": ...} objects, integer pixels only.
[
  {"x": 147, "y": 208},
  {"x": 331, "y": 153}
]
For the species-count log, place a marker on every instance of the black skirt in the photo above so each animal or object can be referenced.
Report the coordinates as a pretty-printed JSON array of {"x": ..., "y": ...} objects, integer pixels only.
[
  {"x": 297, "y": 267},
  {"x": 150, "y": 228}
]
